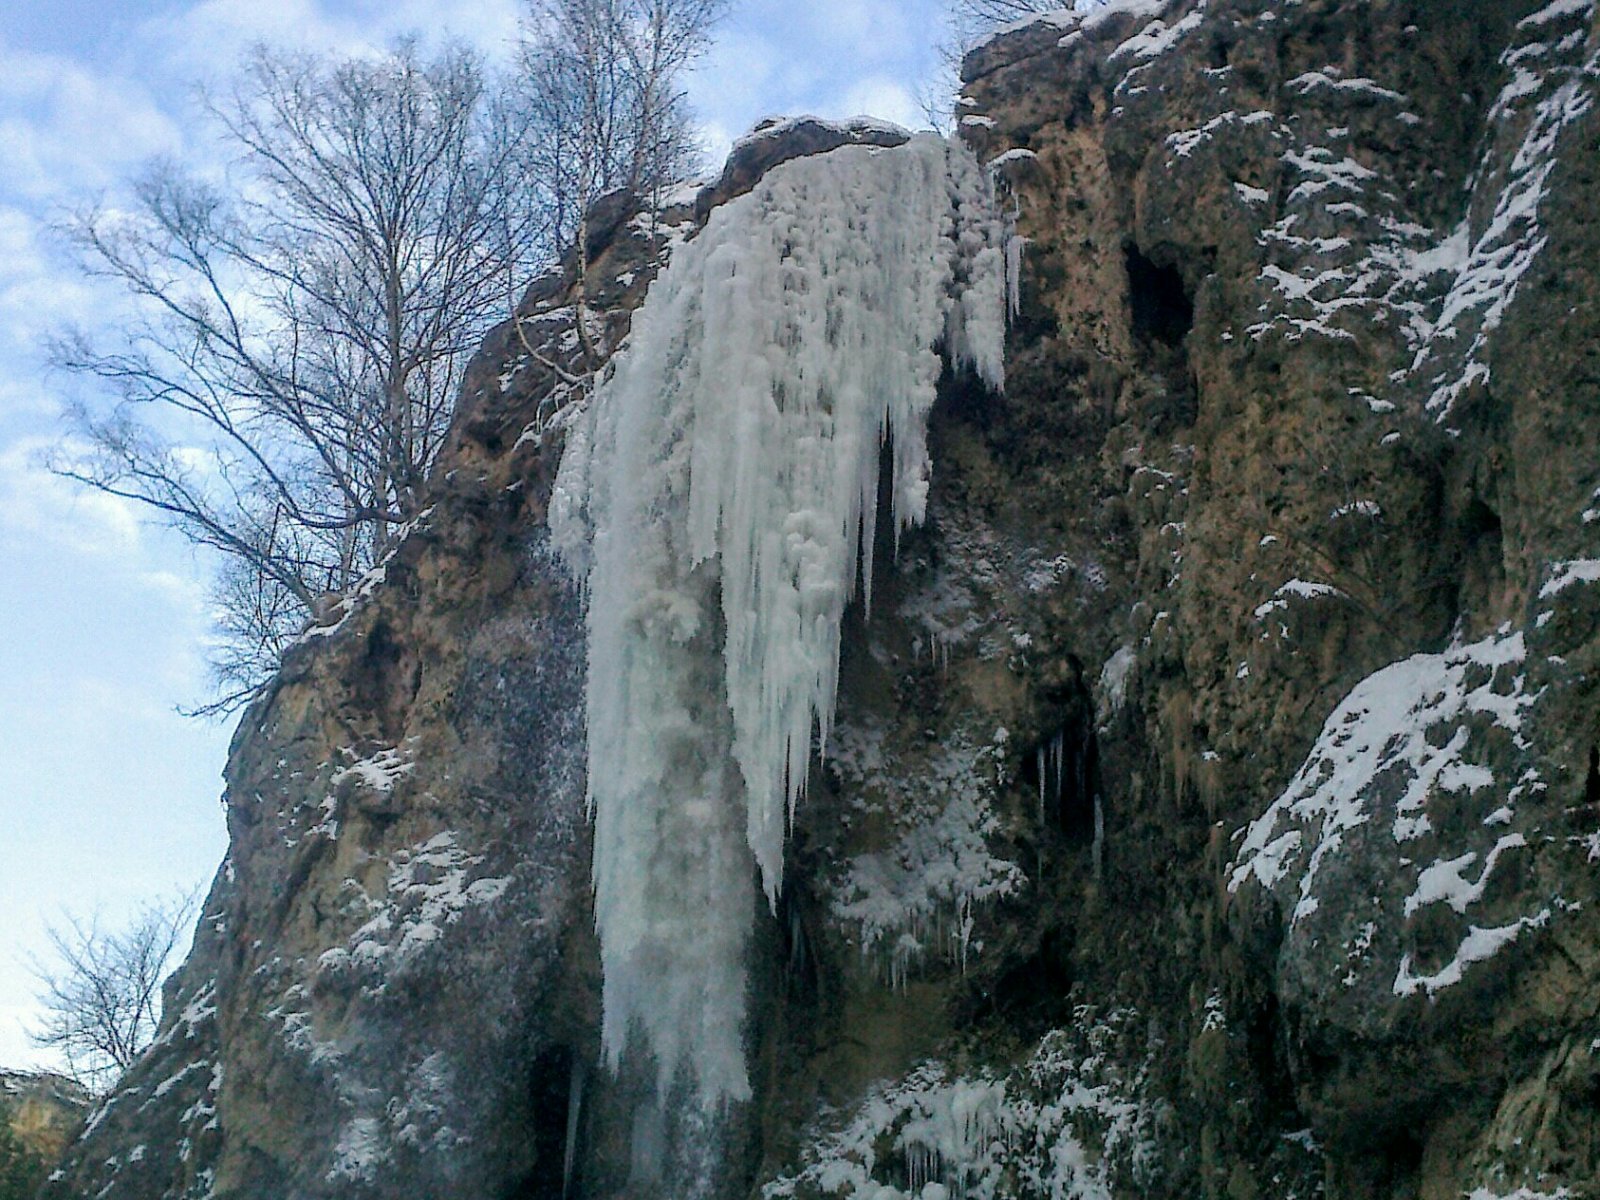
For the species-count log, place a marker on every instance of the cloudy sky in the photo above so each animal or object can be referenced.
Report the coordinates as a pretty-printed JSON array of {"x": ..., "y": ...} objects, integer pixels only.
[{"x": 107, "y": 796}]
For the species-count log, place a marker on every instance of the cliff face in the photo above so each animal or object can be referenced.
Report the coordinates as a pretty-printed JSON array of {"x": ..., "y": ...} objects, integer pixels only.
[
  {"x": 1213, "y": 806},
  {"x": 42, "y": 1110}
]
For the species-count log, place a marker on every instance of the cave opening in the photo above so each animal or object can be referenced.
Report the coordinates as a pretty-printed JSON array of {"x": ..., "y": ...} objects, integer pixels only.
[{"x": 1162, "y": 308}]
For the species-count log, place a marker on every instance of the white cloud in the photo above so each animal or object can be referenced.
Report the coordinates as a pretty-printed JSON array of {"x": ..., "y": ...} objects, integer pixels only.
[
  {"x": 25, "y": 398},
  {"x": 66, "y": 129},
  {"x": 37, "y": 292},
  {"x": 36, "y": 505},
  {"x": 207, "y": 37},
  {"x": 886, "y": 98},
  {"x": 18, "y": 1014},
  {"x": 836, "y": 58}
]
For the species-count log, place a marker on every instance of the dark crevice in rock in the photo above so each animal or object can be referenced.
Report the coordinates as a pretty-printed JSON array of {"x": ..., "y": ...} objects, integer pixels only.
[
  {"x": 1269, "y": 1057},
  {"x": 386, "y": 680},
  {"x": 553, "y": 1090},
  {"x": 1064, "y": 766},
  {"x": 1031, "y": 994},
  {"x": 1162, "y": 306},
  {"x": 1480, "y": 562},
  {"x": 797, "y": 923}
]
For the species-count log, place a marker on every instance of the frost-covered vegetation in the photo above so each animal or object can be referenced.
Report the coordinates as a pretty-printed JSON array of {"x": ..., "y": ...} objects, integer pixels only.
[
  {"x": 1071, "y": 1122},
  {"x": 921, "y": 893}
]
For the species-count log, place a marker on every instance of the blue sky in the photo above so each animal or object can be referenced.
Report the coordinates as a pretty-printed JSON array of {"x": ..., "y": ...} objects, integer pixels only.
[{"x": 107, "y": 796}]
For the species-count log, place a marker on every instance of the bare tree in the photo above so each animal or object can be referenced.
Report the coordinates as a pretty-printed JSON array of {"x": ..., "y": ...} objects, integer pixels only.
[
  {"x": 287, "y": 384},
  {"x": 302, "y": 325},
  {"x": 102, "y": 995},
  {"x": 604, "y": 80}
]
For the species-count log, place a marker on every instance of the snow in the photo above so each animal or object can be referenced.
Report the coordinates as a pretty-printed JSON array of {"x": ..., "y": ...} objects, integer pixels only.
[
  {"x": 1444, "y": 291},
  {"x": 1157, "y": 38},
  {"x": 166, "y": 1085},
  {"x": 1185, "y": 142},
  {"x": 1565, "y": 574},
  {"x": 1016, "y": 154},
  {"x": 379, "y": 772},
  {"x": 1114, "y": 675},
  {"x": 1070, "y": 18},
  {"x": 775, "y": 128},
  {"x": 1504, "y": 249},
  {"x": 1331, "y": 78},
  {"x": 1357, "y": 508},
  {"x": 1443, "y": 881},
  {"x": 717, "y": 499},
  {"x": 927, "y": 885},
  {"x": 359, "y": 1151},
  {"x": 1295, "y": 589},
  {"x": 1382, "y": 729},
  {"x": 430, "y": 887},
  {"x": 1066, "y": 1124},
  {"x": 1555, "y": 10},
  {"x": 1403, "y": 735},
  {"x": 1478, "y": 946},
  {"x": 363, "y": 589},
  {"x": 1061, "y": 18}
]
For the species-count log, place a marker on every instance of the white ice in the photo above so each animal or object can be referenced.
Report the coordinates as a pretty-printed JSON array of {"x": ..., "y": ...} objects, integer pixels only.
[{"x": 719, "y": 498}]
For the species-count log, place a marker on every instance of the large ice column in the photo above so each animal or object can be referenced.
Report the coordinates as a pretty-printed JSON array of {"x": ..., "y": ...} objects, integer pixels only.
[{"x": 718, "y": 497}]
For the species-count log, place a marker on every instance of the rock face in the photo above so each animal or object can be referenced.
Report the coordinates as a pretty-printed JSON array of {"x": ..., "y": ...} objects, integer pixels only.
[
  {"x": 1213, "y": 807},
  {"x": 43, "y": 1110}
]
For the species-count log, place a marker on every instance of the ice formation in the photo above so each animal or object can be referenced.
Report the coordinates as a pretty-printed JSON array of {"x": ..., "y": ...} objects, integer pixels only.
[
  {"x": 1067, "y": 1123},
  {"x": 920, "y": 892},
  {"x": 717, "y": 498}
]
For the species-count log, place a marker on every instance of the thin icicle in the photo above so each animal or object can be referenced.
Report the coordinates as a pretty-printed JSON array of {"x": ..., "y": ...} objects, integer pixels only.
[{"x": 718, "y": 498}]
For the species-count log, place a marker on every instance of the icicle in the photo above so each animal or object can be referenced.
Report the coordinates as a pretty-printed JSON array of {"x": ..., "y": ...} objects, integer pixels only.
[
  {"x": 719, "y": 497},
  {"x": 1038, "y": 763},
  {"x": 1051, "y": 763},
  {"x": 1015, "y": 245},
  {"x": 647, "y": 1149},
  {"x": 569, "y": 1154},
  {"x": 1098, "y": 851}
]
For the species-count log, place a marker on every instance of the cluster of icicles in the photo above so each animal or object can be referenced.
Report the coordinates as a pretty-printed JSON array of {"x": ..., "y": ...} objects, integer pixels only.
[{"x": 718, "y": 498}]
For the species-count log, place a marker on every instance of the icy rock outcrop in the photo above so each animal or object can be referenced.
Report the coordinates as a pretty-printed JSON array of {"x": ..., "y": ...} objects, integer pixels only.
[
  {"x": 719, "y": 499},
  {"x": 1415, "y": 760}
]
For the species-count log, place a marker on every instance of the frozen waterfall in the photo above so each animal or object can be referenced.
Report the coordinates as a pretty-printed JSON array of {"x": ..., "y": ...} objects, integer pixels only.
[{"x": 717, "y": 497}]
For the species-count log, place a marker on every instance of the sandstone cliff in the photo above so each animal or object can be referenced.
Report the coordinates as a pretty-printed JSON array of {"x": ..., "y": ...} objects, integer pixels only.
[
  {"x": 43, "y": 1111},
  {"x": 1213, "y": 808}
]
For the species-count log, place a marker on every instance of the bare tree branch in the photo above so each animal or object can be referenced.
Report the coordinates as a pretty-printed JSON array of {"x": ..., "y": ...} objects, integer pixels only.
[
  {"x": 102, "y": 993},
  {"x": 301, "y": 328},
  {"x": 287, "y": 383}
]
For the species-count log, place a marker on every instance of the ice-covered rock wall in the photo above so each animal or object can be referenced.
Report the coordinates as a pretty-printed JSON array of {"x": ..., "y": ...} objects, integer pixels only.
[
  {"x": 1279, "y": 543},
  {"x": 720, "y": 499}
]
